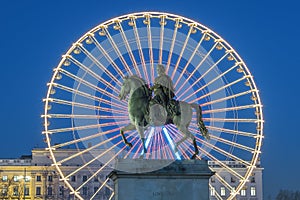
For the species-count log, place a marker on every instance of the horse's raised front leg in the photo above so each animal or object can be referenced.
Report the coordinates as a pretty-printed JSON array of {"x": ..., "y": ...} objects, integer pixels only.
[{"x": 129, "y": 127}]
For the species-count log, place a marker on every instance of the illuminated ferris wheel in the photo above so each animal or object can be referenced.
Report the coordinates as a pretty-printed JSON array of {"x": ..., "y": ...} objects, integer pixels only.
[{"x": 83, "y": 111}]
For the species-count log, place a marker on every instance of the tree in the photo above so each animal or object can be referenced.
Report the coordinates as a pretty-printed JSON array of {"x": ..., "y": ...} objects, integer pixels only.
[
  {"x": 288, "y": 195},
  {"x": 11, "y": 188}
]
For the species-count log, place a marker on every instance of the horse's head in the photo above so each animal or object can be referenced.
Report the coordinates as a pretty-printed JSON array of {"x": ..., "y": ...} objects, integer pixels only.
[{"x": 125, "y": 89}]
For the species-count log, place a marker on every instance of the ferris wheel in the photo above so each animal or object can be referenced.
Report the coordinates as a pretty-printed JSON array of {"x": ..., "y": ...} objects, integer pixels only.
[{"x": 83, "y": 111}]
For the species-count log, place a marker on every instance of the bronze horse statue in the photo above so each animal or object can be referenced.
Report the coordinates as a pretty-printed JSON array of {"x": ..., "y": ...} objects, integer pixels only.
[{"x": 141, "y": 114}]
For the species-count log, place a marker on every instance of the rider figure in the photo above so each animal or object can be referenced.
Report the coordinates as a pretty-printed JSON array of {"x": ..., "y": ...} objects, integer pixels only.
[{"x": 164, "y": 92}]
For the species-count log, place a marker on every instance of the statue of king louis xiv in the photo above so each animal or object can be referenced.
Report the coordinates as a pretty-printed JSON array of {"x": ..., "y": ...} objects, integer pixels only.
[{"x": 164, "y": 92}]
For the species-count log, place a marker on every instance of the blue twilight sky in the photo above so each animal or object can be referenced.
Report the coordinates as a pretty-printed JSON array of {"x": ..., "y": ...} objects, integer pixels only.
[{"x": 34, "y": 35}]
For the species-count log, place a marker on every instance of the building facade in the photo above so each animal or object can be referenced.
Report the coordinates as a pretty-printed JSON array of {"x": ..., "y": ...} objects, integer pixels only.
[
  {"x": 252, "y": 190},
  {"x": 34, "y": 177}
]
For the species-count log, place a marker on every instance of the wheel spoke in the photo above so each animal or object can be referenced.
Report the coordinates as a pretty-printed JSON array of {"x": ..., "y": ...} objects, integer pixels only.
[
  {"x": 89, "y": 96},
  {"x": 72, "y": 116},
  {"x": 238, "y": 132},
  {"x": 127, "y": 45},
  {"x": 182, "y": 50},
  {"x": 80, "y": 80},
  {"x": 86, "y": 150},
  {"x": 141, "y": 54},
  {"x": 161, "y": 37},
  {"x": 97, "y": 63},
  {"x": 190, "y": 59},
  {"x": 116, "y": 67},
  {"x": 99, "y": 189},
  {"x": 86, "y": 106},
  {"x": 200, "y": 78},
  {"x": 228, "y": 97},
  {"x": 149, "y": 36},
  {"x": 231, "y": 120},
  {"x": 93, "y": 74},
  {"x": 223, "y": 152},
  {"x": 220, "y": 163},
  {"x": 177, "y": 25},
  {"x": 99, "y": 134},
  {"x": 100, "y": 169},
  {"x": 219, "y": 89},
  {"x": 231, "y": 108}
]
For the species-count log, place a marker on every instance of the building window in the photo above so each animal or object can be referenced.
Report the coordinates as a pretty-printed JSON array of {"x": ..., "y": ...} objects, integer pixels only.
[
  {"x": 50, "y": 178},
  {"x": 61, "y": 190},
  {"x": 223, "y": 192},
  {"x": 212, "y": 179},
  {"x": 84, "y": 190},
  {"x": 73, "y": 178},
  {"x": 38, "y": 178},
  {"x": 96, "y": 179},
  {"x": 101, "y": 176},
  {"x": 4, "y": 178},
  {"x": 16, "y": 191},
  {"x": 26, "y": 191},
  {"x": 27, "y": 178},
  {"x": 252, "y": 179},
  {"x": 38, "y": 190},
  {"x": 212, "y": 191},
  {"x": 243, "y": 192},
  {"x": 232, "y": 180},
  {"x": 16, "y": 178},
  {"x": 84, "y": 178},
  {"x": 107, "y": 191},
  {"x": 253, "y": 191},
  {"x": 49, "y": 191},
  {"x": 4, "y": 191}
]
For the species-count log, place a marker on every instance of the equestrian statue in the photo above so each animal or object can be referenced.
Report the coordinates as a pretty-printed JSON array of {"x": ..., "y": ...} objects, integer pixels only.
[{"x": 145, "y": 110}]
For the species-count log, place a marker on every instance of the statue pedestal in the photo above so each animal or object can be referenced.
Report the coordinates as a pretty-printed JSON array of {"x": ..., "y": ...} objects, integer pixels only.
[{"x": 181, "y": 180}]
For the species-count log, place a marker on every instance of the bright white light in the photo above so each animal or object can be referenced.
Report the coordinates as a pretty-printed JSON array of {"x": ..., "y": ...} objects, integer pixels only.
[
  {"x": 148, "y": 139},
  {"x": 171, "y": 143}
]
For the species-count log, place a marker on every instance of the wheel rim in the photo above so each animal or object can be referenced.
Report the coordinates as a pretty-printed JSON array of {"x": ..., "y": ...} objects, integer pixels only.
[{"x": 82, "y": 110}]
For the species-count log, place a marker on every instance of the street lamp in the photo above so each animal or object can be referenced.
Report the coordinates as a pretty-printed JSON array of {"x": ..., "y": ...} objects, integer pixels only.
[
  {"x": 25, "y": 179},
  {"x": 24, "y": 182}
]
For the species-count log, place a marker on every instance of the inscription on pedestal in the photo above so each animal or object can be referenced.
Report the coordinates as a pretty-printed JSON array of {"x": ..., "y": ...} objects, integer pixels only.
[{"x": 181, "y": 180}]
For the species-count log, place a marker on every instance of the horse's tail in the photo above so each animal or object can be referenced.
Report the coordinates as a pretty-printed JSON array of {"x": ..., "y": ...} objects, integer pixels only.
[{"x": 200, "y": 122}]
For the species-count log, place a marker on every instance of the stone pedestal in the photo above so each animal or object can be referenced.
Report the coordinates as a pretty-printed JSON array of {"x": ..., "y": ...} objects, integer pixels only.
[{"x": 181, "y": 180}]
